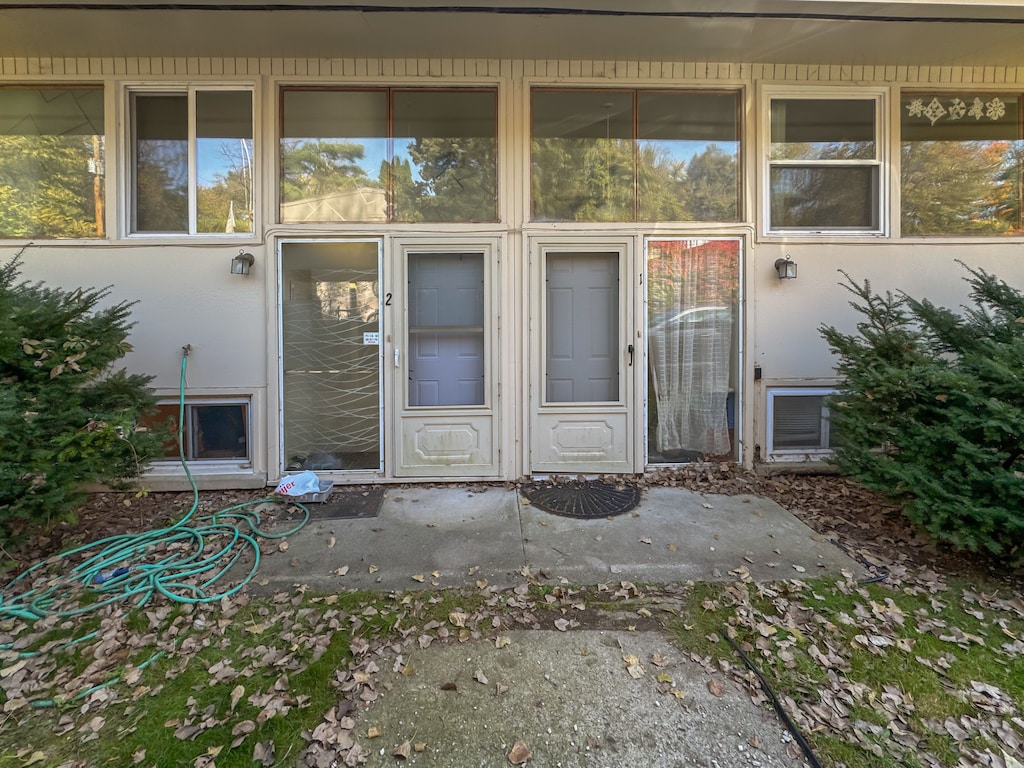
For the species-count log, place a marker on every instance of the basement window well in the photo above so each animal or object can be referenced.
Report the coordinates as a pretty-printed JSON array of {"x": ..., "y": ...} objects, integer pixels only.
[
  {"x": 213, "y": 430},
  {"x": 798, "y": 424}
]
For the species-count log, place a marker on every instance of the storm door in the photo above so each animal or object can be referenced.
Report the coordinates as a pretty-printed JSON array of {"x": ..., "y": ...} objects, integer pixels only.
[
  {"x": 443, "y": 358},
  {"x": 331, "y": 355},
  {"x": 693, "y": 348},
  {"x": 585, "y": 354}
]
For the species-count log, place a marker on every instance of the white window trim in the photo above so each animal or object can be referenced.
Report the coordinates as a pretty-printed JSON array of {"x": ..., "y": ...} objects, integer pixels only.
[
  {"x": 883, "y": 143},
  {"x": 126, "y": 179},
  {"x": 773, "y": 454}
]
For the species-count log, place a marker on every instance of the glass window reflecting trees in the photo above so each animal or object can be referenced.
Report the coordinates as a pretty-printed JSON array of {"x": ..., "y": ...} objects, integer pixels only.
[
  {"x": 824, "y": 164},
  {"x": 962, "y": 160},
  {"x": 402, "y": 155},
  {"x": 192, "y": 161},
  {"x": 51, "y": 162},
  {"x": 627, "y": 155}
]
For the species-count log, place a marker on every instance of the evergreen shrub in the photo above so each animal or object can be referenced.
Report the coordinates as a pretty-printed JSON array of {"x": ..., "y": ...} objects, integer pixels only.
[
  {"x": 931, "y": 410},
  {"x": 66, "y": 418}
]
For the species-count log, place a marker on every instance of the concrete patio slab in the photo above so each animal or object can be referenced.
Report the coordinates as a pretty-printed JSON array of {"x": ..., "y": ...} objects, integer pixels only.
[{"x": 453, "y": 536}]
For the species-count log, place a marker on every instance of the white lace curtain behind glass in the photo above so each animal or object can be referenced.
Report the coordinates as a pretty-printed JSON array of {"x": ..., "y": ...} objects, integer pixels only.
[{"x": 691, "y": 302}]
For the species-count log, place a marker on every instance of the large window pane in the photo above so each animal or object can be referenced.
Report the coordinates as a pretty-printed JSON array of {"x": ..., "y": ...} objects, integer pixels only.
[
  {"x": 962, "y": 160},
  {"x": 444, "y": 157},
  {"x": 160, "y": 162},
  {"x": 224, "y": 161},
  {"x": 192, "y": 161},
  {"x": 51, "y": 162},
  {"x": 688, "y": 164},
  {"x": 334, "y": 154},
  {"x": 635, "y": 155},
  {"x": 824, "y": 167},
  {"x": 582, "y": 156},
  {"x": 824, "y": 197},
  {"x": 446, "y": 329},
  {"x": 692, "y": 300},
  {"x": 822, "y": 129}
]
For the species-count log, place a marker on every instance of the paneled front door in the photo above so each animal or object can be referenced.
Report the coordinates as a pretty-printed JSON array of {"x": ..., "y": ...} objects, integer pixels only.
[
  {"x": 443, "y": 357},
  {"x": 584, "y": 357}
]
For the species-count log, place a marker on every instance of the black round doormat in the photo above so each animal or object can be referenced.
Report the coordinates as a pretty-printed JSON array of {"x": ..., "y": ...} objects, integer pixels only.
[{"x": 583, "y": 499}]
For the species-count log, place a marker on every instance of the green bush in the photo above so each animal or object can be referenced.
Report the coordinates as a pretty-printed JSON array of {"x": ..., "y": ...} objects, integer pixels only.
[
  {"x": 931, "y": 410},
  {"x": 65, "y": 418}
]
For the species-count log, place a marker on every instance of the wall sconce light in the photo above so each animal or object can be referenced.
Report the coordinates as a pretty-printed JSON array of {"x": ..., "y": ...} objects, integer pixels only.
[
  {"x": 242, "y": 263},
  {"x": 786, "y": 268}
]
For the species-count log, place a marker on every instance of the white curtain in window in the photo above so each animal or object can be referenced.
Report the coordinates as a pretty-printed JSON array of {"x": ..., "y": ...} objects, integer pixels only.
[{"x": 690, "y": 343}]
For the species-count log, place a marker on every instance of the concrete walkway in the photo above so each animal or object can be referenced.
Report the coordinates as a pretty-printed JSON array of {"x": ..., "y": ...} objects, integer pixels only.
[{"x": 453, "y": 536}]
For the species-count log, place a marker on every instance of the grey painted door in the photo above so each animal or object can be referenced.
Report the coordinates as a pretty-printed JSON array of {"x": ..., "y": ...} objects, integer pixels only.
[{"x": 582, "y": 339}]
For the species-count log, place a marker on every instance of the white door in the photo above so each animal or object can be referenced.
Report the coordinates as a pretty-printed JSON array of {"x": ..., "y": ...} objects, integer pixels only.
[
  {"x": 444, "y": 354},
  {"x": 584, "y": 357}
]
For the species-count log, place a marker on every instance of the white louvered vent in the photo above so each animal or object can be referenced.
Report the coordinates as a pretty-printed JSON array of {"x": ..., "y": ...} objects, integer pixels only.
[{"x": 798, "y": 424}]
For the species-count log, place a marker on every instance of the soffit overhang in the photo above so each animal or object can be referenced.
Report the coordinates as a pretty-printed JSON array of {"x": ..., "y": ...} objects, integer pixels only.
[{"x": 816, "y": 32}]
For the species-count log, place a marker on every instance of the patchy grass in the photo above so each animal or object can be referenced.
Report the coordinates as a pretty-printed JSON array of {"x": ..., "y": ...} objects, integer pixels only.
[{"x": 920, "y": 673}]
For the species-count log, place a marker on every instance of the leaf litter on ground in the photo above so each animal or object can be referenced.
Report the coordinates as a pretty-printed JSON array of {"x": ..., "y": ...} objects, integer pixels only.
[{"x": 794, "y": 627}]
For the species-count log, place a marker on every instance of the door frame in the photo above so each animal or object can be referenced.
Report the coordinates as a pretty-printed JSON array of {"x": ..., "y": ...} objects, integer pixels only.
[
  {"x": 586, "y": 425},
  {"x": 476, "y": 428}
]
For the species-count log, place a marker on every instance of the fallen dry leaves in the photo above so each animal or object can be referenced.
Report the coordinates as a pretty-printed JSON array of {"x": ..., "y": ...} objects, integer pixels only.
[{"x": 289, "y": 634}]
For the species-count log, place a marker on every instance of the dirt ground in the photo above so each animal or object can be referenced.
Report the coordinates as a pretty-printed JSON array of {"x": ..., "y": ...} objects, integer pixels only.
[{"x": 859, "y": 522}]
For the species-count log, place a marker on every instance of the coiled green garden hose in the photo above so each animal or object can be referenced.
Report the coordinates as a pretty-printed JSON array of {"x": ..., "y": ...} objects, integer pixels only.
[{"x": 201, "y": 551}]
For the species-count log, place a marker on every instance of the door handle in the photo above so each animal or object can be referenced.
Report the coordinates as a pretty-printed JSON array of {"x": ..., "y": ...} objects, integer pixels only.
[
  {"x": 630, "y": 350},
  {"x": 396, "y": 357}
]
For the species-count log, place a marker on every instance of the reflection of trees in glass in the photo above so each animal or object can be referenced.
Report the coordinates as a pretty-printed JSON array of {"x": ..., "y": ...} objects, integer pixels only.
[
  {"x": 713, "y": 186},
  {"x": 582, "y": 180},
  {"x": 822, "y": 150},
  {"x": 437, "y": 180},
  {"x": 824, "y": 195},
  {"x": 456, "y": 181},
  {"x": 313, "y": 168},
  {"x": 48, "y": 186},
  {"x": 226, "y": 204},
  {"x": 161, "y": 185},
  {"x": 592, "y": 180},
  {"x": 961, "y": 187},
  {"x": 664, "y": 185}
]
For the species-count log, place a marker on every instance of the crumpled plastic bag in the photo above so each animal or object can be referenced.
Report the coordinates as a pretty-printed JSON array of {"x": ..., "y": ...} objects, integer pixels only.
[{"x": 298, "y": 485}]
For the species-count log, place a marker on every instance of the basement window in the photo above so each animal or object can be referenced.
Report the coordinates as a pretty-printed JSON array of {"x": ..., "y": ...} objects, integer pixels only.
[
  {"x": 798, "y": 424},
  {"x": 213, "y": 430}
]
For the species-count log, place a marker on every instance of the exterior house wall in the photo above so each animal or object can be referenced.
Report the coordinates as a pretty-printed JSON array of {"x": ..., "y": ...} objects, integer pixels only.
[{"x": 187, "y": 296}]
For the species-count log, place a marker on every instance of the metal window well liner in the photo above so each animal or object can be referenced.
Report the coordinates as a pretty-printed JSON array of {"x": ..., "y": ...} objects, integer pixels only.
[{"x": 582, "y": 499}]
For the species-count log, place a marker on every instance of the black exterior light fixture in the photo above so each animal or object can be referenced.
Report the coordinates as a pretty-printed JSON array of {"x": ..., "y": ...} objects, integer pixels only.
[
  {"x": 786, "y": 268},
  {"x": 242, "y": 263}
]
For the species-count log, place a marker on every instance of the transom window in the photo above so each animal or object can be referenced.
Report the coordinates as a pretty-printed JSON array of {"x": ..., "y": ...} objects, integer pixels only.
[
  {"x": 384, "y": 154},
  {"x": 627, "y": 155},
  {"x": 192, "y": 161},
  {"x": 51, "y": 162},
  {"x": 824, "y": 164},
  {"x": 962, "y": 156}
]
